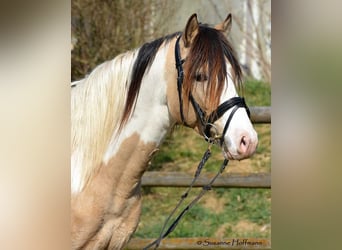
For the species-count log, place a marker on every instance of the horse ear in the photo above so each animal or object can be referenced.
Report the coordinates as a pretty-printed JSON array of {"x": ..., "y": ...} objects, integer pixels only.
[
  {"x": 191, "y": 30},
  {"x": 226, "y": 25}
]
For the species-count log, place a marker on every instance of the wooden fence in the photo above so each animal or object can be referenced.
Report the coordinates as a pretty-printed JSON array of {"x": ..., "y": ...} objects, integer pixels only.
[
  {"x": 260, "y": 114},
  {"x": 228, "y": 180}
]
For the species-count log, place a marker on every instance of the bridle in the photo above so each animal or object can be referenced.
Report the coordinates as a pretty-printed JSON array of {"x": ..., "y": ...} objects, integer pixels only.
[
  {"x": 206, "y": 121},
  {"x": 206, "y": 124}
]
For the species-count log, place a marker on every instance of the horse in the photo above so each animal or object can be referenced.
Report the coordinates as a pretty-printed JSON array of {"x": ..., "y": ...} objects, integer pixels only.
[{"x": 122, "y": 111}]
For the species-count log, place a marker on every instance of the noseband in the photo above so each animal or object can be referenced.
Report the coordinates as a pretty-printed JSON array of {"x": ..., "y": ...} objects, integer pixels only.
[{"x": 206, "y": 121}]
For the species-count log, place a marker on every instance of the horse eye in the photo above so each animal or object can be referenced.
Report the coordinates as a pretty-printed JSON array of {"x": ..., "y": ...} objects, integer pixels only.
[{"x": 201, "y": 77}]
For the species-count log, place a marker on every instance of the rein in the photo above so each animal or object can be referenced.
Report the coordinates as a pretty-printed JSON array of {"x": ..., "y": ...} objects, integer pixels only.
[
  {"x": 207, "y": 123},
  {"x": 205, "y": 189}
]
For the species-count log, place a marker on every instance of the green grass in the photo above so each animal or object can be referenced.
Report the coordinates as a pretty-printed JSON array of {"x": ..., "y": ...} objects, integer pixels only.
[
  {"x": 257, "y": 93},
  {"x": 222, "y": 212}
]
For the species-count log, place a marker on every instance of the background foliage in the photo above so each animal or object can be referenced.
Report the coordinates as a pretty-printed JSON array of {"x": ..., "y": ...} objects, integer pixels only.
[{"x": 102, "y": 29}]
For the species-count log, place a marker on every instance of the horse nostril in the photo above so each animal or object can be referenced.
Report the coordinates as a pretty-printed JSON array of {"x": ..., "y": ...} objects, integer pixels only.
[
  {"x": 244, "y": 143},
  {"x": 243, "y": 140}
]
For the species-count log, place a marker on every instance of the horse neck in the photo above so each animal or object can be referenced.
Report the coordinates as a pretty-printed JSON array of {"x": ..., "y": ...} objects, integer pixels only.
[{"x": 149, "y": 122}]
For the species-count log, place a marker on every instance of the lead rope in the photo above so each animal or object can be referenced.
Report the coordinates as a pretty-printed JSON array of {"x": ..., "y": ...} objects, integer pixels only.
[{"x": 205, "y": 188}]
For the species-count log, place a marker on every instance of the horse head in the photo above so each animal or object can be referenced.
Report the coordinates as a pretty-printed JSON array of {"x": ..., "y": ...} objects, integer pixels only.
[{"x": 206, "y": 97}]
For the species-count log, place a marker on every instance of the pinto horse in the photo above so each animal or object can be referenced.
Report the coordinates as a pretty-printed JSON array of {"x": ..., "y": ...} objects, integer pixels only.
[{"x": 122, "y": 111}]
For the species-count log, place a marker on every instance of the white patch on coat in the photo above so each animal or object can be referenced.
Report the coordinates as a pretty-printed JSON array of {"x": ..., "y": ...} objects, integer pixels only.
[
  {"x": 240, "y": 123},
  {"x": 150, "y": 118}
]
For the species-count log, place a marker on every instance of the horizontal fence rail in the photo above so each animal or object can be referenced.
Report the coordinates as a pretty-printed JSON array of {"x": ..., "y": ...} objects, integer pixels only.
[
  {"x": 260, "y": 114},
  {"x": 178, "y": 179},
  {"x": 203, "y": 243}
]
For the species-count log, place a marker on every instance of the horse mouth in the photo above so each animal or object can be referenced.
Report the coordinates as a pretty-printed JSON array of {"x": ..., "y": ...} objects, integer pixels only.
[
  {"x": 226, "y": 153},
  {"x": 229, "y": 155}
]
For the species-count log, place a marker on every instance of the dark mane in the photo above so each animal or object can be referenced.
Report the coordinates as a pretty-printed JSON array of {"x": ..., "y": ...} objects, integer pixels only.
[
  {"x": 208, "y": 52},
  {"x": 141, "y": 65}
]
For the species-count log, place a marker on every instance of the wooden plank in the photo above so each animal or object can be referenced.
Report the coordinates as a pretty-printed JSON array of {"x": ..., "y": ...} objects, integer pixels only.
[
  {"x": 202, "y": 243},
  {"x": 177, "y": 179},
  {"x": 260, "y": 114}
]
